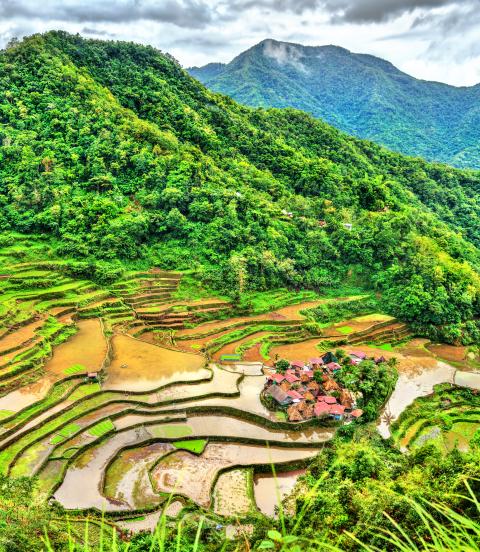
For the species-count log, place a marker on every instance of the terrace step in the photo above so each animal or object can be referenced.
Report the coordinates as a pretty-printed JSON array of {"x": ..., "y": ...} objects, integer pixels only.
[
  {"x": 162, "y": 274},
  {"x": 120, "y": 314},
  {"x": 148, "y": 297},
  {"x": 160, "y": 326},
  {"x": 394, "y": 332}
]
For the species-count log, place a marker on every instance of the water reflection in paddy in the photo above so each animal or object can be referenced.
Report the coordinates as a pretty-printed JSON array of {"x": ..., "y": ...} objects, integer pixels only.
[
  {"x": 192, "y": 476},
  {"x": 270, "y": 490},
  {"x": 87, "y": 347},
  {"x": 81, "y": 487},
  {"x": 411, "y": 385},
  {"x": 141, "y": 366},
  {"x": 228, "y": 426}
]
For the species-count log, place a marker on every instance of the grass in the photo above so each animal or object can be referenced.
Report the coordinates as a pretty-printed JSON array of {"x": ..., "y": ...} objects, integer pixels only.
[
  {"x": 85, "y": 390},
  {"x": 6, "y": 413},
  {"x": 196, "y": 446},
  {"x": 231, "y": 357},
  {"x": 264, "y": 301},
  {"x": 345, "y": 330},
  {"x": 74, "y": 369},
  {"x": 69, "y": 430},
  {"x": 445, "y": 530},
  {"x": 171, "y": 431},
  {"x": 383, "y": 346},
  {"x": 101, "y": 428}
]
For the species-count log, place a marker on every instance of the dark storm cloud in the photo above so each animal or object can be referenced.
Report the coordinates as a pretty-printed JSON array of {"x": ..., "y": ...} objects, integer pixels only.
[
  {"x": 342, "y": 11},
  {"x": 96, "y": 32},
  {"x": 183, "y": 13},
  {"x": 279, "y": 6},
  {"x": 375, "y": 11}
]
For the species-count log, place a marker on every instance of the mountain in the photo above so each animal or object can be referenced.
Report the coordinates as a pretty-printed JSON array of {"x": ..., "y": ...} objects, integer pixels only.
[
  {"x": 361, "y": 94},
  {"x": 113, "y": 152}
]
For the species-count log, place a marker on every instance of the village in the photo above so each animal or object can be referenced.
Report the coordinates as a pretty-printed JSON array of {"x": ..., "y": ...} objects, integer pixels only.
[{"x": 306, "y": 390}]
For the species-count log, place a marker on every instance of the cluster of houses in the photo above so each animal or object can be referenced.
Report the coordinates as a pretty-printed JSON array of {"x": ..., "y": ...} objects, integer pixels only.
[{"x": 307, "y": 389}]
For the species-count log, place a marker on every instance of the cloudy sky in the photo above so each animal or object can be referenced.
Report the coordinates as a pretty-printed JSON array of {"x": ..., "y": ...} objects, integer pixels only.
[{"x": 430, "y": 39}]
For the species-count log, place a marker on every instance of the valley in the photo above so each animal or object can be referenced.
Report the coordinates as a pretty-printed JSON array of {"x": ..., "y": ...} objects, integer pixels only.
[{"x": 206, "y": 308}]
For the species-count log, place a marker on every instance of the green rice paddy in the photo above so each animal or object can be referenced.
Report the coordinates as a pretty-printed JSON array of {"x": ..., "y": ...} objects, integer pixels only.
[
  {"x": 75, "y": 369},
  {"x": 195, "y": 445},
  {"x": 102, "y": 428}
]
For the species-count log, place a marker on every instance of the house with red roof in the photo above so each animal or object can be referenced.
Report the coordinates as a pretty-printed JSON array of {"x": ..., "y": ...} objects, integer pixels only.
[
  {"x": 276, "y": 378},
  {"x": 337, "y": 411},
  {"x": 316, "y": 363},
  {"x": 321, "y": 409},
  {"x": 295, "y": 395}
]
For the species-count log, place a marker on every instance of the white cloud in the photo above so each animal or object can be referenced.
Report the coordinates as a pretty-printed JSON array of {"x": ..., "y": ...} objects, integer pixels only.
[{"x": 430, "y": 39}]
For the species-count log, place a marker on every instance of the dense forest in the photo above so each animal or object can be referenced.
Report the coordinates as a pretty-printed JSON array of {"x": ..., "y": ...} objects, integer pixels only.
[
  {"x": 361, "y": 94},
  {"x": 118, "y": 154}
]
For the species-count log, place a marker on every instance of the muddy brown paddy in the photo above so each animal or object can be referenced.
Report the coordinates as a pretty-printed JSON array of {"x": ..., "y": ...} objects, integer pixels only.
[{"x": 141, "y": 366}]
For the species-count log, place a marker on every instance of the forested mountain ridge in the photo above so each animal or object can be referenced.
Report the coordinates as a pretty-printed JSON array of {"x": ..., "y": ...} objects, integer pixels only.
[
  {"x": 361, "y": 94},
  {"x": 119, "y": 154}
]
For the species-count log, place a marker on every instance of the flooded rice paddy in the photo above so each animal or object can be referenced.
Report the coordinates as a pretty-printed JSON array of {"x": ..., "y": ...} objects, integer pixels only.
[
  {"x": 141, "y": 366},
  {"x": 88, "y": 348},
  {"x": 271, "y": 489},
  {"x": 186, "y": 474}
]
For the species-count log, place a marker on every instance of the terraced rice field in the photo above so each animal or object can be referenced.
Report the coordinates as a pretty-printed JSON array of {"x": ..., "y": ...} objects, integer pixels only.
[
  {"x": 117, "y": 397},
  {"x": 448, "y": 418},
  {"x": 99, "y": 389}
]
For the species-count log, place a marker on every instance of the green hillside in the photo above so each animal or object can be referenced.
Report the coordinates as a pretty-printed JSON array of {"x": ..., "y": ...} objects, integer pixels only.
[
  {"x": 360, "y": 94},
  {"x": 118, "y": 154}
]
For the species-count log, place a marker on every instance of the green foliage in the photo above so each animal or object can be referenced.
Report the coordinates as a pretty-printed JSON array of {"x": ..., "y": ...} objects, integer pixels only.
[
  {"x": 374, "y": 381},
  {"x": 24, "y": 517},
  {"x": 102, "y": 428},
  {"x": 334, "y": 311},
  {"x": 194, "y": 445},
  {"x": 282, "y": 365}
]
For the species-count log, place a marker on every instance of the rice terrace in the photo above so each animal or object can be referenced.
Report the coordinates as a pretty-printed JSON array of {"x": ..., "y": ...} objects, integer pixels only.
[{"x": 137, "y": 396}]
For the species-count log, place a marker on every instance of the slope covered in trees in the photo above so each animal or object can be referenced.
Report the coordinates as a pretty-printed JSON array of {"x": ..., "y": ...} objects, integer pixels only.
[
  {"x": 361, "y": 94},
  {"x": 118, "y": 154}
]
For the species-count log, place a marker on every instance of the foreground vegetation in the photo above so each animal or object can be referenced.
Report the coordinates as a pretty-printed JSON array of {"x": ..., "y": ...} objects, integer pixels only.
[{"x": 360, "y": 490}]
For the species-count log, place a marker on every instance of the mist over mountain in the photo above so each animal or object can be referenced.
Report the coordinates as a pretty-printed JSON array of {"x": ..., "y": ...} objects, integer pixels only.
[{"x": 361, "y": 94}]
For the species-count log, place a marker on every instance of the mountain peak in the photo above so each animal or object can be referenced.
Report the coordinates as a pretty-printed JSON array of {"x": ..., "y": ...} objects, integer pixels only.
[{"x": 361, "y": 94}]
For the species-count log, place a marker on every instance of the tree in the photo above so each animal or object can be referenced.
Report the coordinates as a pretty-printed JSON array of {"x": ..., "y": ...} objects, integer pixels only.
[{"x": 282, "y": 365}]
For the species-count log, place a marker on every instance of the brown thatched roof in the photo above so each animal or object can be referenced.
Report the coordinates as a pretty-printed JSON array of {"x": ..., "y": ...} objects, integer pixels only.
[
  {"x": 329, "y": 384},
  {"x": 346, "y": 398},
  {"x": 294, "y": 414},
  {"x": 309, "y": 397}
]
